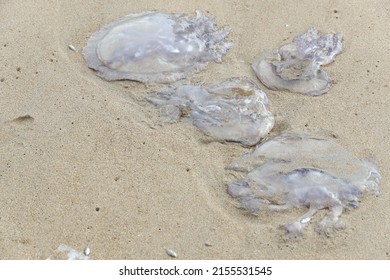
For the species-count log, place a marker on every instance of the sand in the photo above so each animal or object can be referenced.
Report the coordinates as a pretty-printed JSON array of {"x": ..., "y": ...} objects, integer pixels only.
[{"x": 89, "y": 162}]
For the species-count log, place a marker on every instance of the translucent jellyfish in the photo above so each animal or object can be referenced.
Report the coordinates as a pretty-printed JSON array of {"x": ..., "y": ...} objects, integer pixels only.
[
  {"x": 233, "y": 110},
  {"x": 64, "y": 252},
  {"x": 296, "y": 170},
  {"x": 155, "y": 47},
  {"x": 297, "y": 66}
]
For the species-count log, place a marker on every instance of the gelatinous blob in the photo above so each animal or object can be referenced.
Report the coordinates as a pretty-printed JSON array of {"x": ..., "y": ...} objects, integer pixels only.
[
  {"x": 297, "y": 66},
  {"x": 232, "y": 110},
  {"x": 295, "y": 170},
  {"x": 155, "y": 47},
  {"x": 64, "y": 252}
]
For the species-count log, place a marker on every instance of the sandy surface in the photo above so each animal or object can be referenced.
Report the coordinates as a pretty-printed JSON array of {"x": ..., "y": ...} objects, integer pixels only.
[{"x": 89, "y": 162}]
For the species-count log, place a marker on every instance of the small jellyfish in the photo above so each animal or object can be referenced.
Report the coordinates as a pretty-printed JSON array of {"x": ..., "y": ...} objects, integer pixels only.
[
  {"x": 297, "y": 66},
  {"x": 66, "y": 252},
  {"x": 154, "y": 47},
  {"x": 233, "y": 110},
  {"x": 296, "y": 170}
]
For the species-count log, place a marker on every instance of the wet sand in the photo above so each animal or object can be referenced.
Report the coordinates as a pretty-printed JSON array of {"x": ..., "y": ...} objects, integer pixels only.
[{"x": 89, "y": 162}]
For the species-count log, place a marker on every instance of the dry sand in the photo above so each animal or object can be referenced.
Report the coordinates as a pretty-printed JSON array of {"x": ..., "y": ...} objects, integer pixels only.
[{"x": 86, "y": 161}]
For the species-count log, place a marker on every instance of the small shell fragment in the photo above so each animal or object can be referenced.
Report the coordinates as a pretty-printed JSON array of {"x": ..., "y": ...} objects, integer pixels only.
[
  {"x": 87, "y": 251},
  {"x": 297, "y": 66},
  {"x": 170, "y": 252},
  {"x": 154, "y": 47},
  {"x": 72, "y": 48}
]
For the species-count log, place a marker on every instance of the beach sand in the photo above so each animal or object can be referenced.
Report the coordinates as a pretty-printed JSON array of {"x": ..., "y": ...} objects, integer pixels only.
[{"x": 85, "y": 162}]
